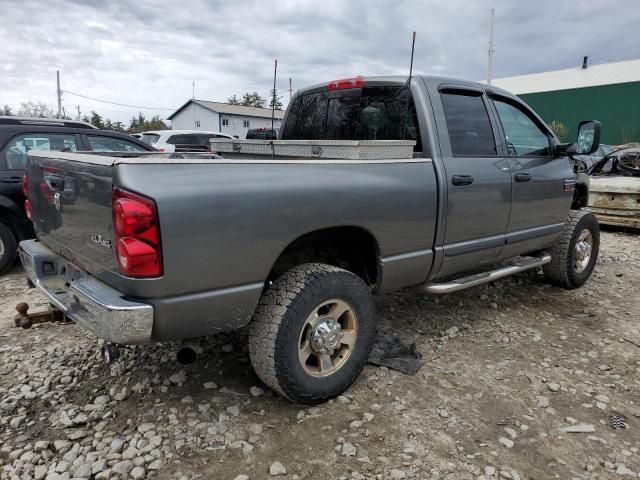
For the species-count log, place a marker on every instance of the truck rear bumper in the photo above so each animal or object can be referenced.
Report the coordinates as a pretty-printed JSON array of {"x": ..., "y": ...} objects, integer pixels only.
[{"x": 90, "y": 303}]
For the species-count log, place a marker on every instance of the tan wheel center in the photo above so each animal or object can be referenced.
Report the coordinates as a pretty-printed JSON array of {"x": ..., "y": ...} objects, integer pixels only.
[{"x": 328, "y": 338}]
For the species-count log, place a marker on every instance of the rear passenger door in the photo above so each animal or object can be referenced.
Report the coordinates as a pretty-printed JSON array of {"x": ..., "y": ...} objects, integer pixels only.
[
  {"x": 541, "y": 199},
  {"x": 478, "y": 180}
]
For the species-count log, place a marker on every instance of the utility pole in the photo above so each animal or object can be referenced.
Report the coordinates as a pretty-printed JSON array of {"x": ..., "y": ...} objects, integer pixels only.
[
  {"x": 491, "y": 50},
  {"x": 78, "y": 108},
  {"x": 193, "y": 84},
  {"x": 290, "y": 89},
  {"x": 59, "y": 92},
  {"x": 273, "y": 102}
]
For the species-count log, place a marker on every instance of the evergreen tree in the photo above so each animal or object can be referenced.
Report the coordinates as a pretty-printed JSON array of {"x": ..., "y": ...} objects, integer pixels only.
[
  {"x": 96, "y": 120},
  {"x": 275, "y": 98}
]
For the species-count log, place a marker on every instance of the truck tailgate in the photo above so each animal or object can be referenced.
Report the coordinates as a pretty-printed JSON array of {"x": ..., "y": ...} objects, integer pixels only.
[{"x": 71, "y": 209}]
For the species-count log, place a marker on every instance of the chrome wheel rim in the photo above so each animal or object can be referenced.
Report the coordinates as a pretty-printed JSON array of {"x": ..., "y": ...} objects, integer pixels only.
[
  {"x": 1, "y": 248},
  {"x": 328, "y": 337},
  {"x": 582, "y": 251}
]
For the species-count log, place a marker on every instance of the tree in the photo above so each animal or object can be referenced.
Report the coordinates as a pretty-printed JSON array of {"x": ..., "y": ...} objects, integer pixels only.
[
  {"x": 36, "y": 110},
  {"x": 141, "y": 124},
  {"x": 275, "y": 98},
  {"x": 6, "y": 110},
  {"x": 96, "y": 120},
  {"x": 559, "y": 129},
  {"x": 253, "y": 100},
  {"x": 233, "y": 100}
]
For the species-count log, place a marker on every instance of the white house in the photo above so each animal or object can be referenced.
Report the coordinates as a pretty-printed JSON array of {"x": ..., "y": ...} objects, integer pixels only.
[{"x": 235, "y": 120}]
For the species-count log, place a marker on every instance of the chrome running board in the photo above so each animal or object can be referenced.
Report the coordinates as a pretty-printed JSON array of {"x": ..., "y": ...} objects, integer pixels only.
[{"x": 520, "y": 265}]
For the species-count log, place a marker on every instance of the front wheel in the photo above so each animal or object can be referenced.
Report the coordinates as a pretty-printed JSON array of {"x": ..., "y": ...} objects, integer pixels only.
[
  {"x": 574, "y": 254},
  {"x": 312, "y": 332}
]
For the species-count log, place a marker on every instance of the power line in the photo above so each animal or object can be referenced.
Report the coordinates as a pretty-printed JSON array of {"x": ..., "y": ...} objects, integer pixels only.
[{"x": 115, "y": 103}]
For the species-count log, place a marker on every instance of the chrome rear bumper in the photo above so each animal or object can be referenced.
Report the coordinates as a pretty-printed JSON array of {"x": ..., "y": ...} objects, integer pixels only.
[{"x": 90, "y": 303}]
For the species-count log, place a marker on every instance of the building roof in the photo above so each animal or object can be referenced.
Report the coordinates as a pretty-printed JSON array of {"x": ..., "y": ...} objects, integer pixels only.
[
  {"x": 228, "y": 109},
  {"x": 592, "y": 76}
]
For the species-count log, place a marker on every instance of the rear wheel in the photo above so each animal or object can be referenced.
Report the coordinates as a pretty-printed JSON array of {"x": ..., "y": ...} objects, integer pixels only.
[
  {"x": 8, "y": 248},
  {"x": 574, "y": 254},
  {"x": 312, "y": 332}
]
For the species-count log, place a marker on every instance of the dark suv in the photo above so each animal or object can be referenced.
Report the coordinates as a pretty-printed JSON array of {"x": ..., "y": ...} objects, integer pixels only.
[
  {"x": 20, "y": 135},
  {"x": 262, "y": 134}
]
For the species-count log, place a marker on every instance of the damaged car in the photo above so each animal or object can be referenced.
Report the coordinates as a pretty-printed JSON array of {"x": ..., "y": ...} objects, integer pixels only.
[{"x": 614, "y": 194}]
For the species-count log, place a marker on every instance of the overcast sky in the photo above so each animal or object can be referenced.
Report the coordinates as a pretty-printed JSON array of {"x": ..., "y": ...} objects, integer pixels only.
[{"x": 148, "y": 52}]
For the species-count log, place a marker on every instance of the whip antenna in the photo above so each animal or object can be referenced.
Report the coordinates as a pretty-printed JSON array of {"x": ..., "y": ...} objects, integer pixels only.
[{"x": 408, "y": 88}]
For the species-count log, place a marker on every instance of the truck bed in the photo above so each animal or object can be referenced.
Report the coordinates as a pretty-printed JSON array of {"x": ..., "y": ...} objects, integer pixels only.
[{"x": 224, "y": 223}]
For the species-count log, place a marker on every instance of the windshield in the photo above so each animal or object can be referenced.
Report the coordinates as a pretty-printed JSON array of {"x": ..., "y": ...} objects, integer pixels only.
[
  {"x": 370, "y": 113},
  {"x": 150, "y": 138}
]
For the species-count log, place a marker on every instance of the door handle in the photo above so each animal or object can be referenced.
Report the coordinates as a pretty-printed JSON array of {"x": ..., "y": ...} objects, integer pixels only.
[
  {"x": 12, "y": 180},
  {"x": 523, "y": 177},
  {"x": 460, "y": 180}
]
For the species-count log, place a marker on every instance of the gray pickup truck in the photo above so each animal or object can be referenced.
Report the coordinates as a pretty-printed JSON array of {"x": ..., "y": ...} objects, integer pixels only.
[{"x": 175, "y": 247}]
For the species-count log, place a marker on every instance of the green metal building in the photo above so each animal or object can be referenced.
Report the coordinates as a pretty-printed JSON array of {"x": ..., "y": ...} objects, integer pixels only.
[{"x": 607, "y": 92}]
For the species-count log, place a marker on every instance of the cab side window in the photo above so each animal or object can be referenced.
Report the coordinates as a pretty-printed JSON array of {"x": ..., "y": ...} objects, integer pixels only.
[
  {"x": 468, "y": 125},
  {"x": 523, "y": 135},
  {"x": 16, "y": 150}
]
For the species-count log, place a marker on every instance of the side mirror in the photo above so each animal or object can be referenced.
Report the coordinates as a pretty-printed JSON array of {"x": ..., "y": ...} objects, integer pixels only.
[{"x": 588, "y": 137}]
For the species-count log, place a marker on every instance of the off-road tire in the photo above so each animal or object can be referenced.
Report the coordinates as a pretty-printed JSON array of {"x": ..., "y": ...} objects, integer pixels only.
[
  {"x": 560, "y": 271},
  {"x": 10, "y": 249},
  {"x": 278, "y": 321}
]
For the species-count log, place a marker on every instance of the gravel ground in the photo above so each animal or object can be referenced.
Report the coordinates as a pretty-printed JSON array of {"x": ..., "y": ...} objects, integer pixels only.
[{"x": 520, "y": 381}]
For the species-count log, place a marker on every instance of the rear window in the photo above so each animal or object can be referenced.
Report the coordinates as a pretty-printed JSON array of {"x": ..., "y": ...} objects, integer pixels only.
[
  {"x": 149, "y": 138},
  {"x": 190, "y": 139},
  {"x": 370, "y": 113}
]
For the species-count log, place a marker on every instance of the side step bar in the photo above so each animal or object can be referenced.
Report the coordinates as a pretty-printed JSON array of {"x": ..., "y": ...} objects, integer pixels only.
[{"x": 520, "y": 265}]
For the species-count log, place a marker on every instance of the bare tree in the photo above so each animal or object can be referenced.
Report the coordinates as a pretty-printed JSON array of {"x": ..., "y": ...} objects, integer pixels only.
[{"x": 36, "y": 110}]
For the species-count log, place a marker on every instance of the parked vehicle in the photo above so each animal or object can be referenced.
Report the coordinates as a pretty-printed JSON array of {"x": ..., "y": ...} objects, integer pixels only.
[
  {"x": 18, "y": 137},
  {"x": 181, "y": 140},
  {"x": 179, "y": 248},
  {"x": 583, "y": 163},
  {"x": 614, "y": 197},
  {"x": 262, "y": 134}
]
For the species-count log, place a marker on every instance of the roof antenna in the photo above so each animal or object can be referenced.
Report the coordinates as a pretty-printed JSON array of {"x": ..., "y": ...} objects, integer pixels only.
[{"x": 408, "y": 88}]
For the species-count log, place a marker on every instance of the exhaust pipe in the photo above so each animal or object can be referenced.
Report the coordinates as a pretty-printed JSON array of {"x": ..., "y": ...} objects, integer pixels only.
[{"x": 188, "y": 352}]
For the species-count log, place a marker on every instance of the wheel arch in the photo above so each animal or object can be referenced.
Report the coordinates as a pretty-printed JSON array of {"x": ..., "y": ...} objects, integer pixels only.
[{"x": 350, "y": 247}]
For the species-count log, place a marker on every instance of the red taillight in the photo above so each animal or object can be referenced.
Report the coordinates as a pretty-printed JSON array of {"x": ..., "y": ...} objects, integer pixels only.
[
  {"x": 137, "y": 235},
  {"x": 346, "y": 83},
  {"x": 131, "y": 217},
  {"x": 25, "y": 186},
  {"x": 27, "y": 209}
]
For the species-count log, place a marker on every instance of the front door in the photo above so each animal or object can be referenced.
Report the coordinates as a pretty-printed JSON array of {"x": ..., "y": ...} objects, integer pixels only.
[
  {"x": 478, "y": 182},
  {"x": 542, "y": 188}
]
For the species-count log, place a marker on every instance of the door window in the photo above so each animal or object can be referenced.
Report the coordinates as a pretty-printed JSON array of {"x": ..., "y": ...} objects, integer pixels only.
[
  {"x": 111, "y": 144},
  {"x": 469, "y": 126},
  {"x": 16, "y": 150},
  {"x": 524, "y": 137}
]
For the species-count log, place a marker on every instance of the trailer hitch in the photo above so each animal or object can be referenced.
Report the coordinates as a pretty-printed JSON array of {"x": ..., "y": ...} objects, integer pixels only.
[{"x": 26, "y": 320}]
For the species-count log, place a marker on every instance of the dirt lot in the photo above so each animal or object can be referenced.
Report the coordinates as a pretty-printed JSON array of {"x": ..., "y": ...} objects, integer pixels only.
[{"x": 508, "y": 367}]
